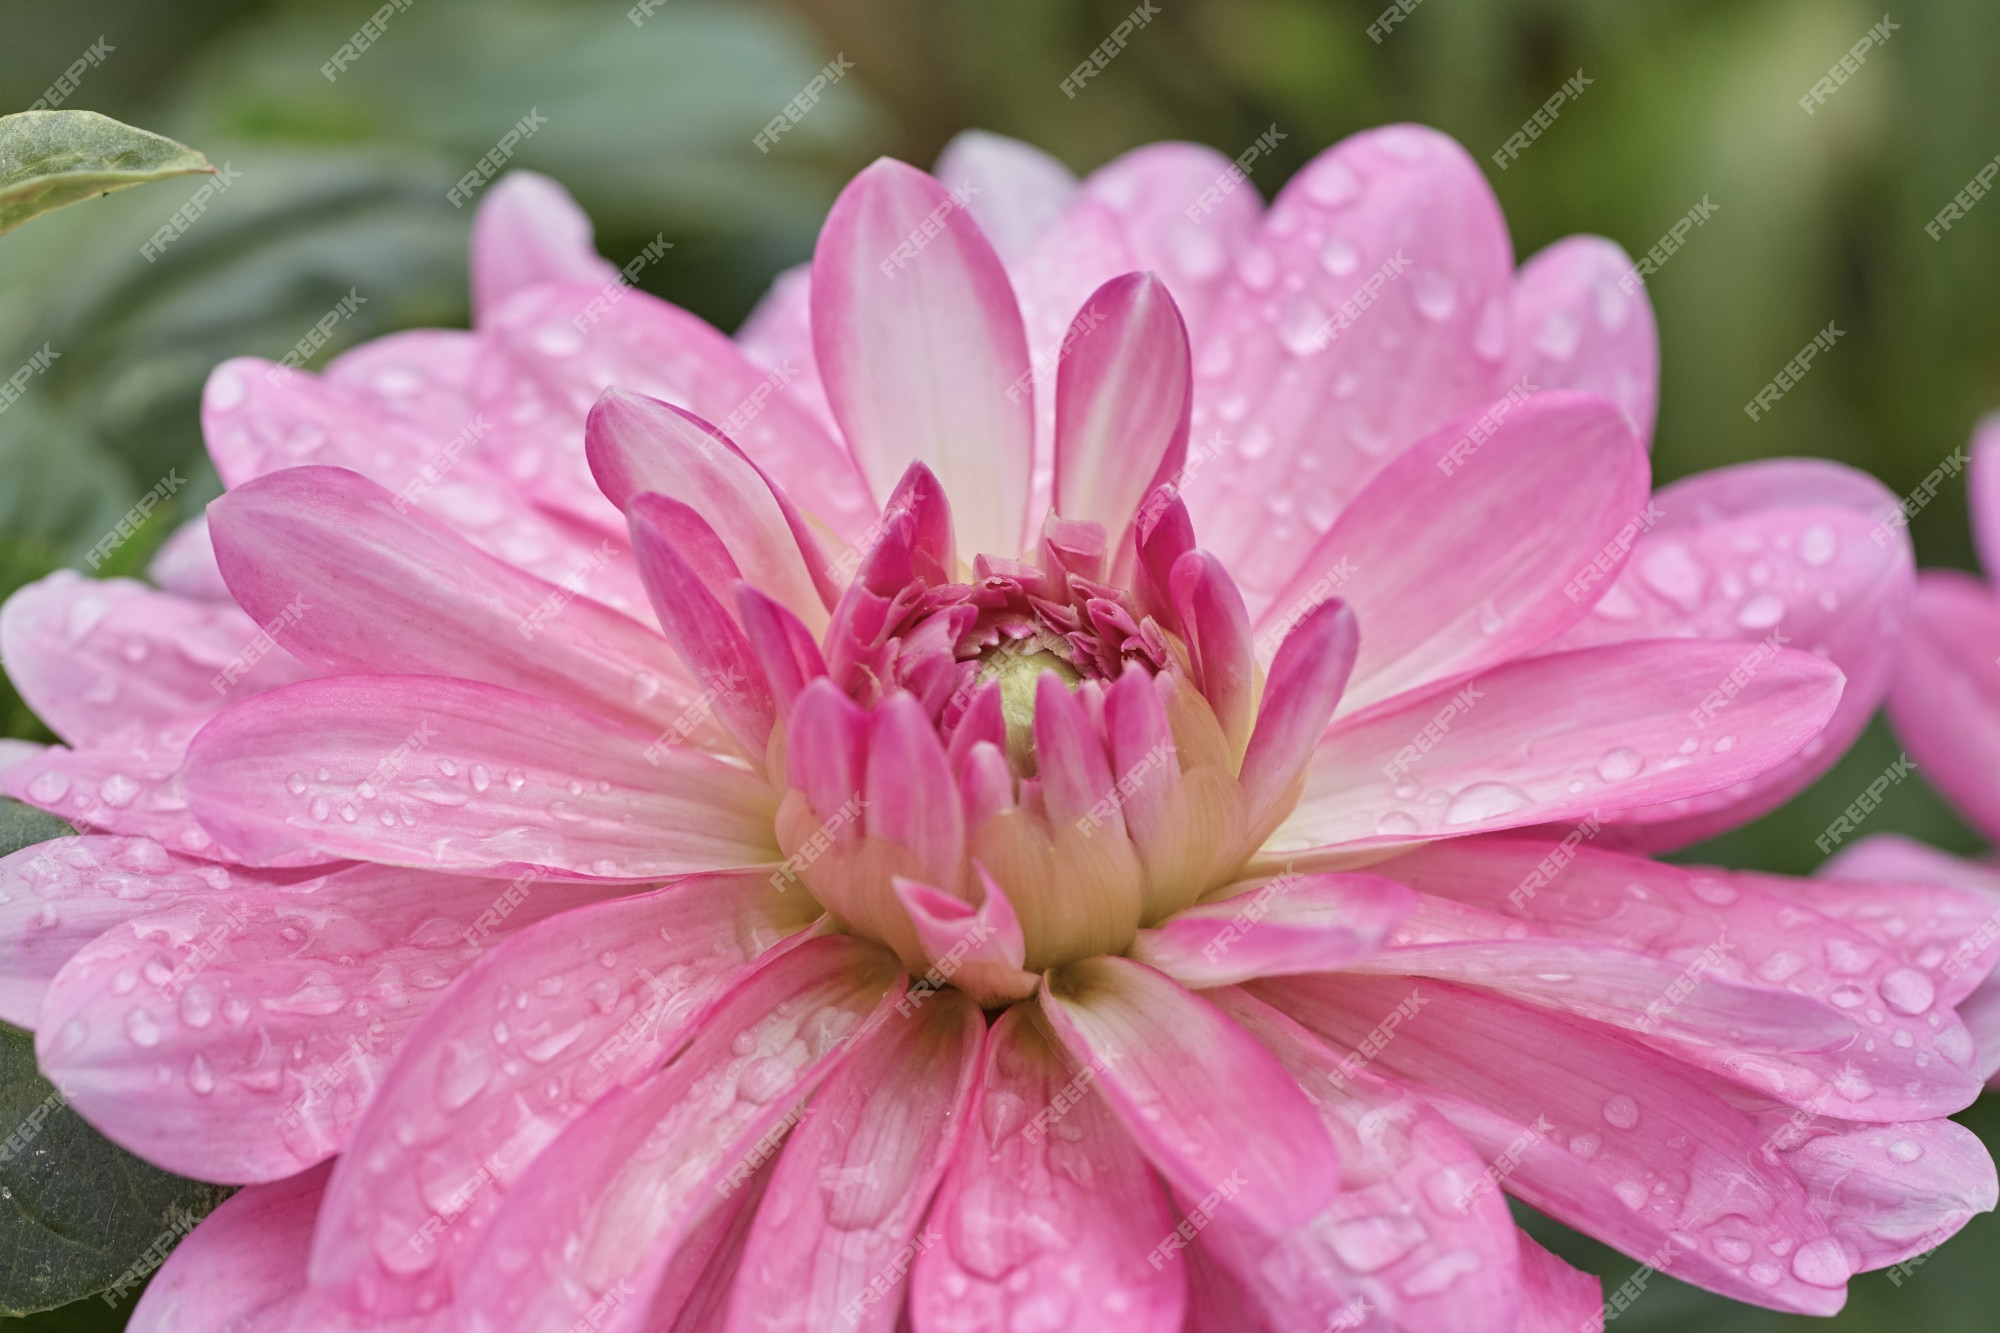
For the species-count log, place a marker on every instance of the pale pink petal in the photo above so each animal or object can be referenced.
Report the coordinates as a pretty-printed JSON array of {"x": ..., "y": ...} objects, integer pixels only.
[
  {"x": 1218, "y": 636},
  {"x": 1416, "y": 1237},
  {"x": 978, "y": 950},
  {"x": 93, "y": 657},
  {"x": 778, "y": 337},
  {"x": 827, "y": 752},
  {"x": 1982, "y": 483},
  {"x": 842, "y": 1215},
  {"x": 550, "y": 353},
  {"x": 1980, "y": 1012},
  {"x": 1556, "y": 1298},
  {"x": 449, "y": 774},
  {"x": 57, "y": 896},
  {"x": 1048, "y": 1206},
  {"x": 1137, "y": 728},
  {"x": 784, "y": 647},
  {"x": 1274, "y": 927},
  {"x": 1017, "y": 189},
  {"x": 912, "y": 799},
  {"x": 355, "y": 584},
  {"x": 1074, "y": 771},
  {"x": 1513, "y": 527},
  {"x": 1309, "y": 408},
  {"x": 242, "y": 1269},
  {"x": 468, "y": 1105},
  {"x": 185, "y": 564},
  {"x": 604, "y": 1208},
  {"x": 236, "y": 1036},
  {"x": 920, "y": 343},
  {"x": 1914, "y": 1060},
  {"x": 637, "y": 444},
  {"x": 1595, "y": 1131},
  {"x": 1582, "y": 321},
  {"x": 1551, "y": 738},
  {"x": 699, "y": 1280},
  {"x": 1213, "y": 1110},
  {"x": 529, "y": 231},
  {"x": 1122, "y": 398},
  {"x": 420, "y": 375},
  {"x": 1307, "y": 676},
  {"x": 1892, "y": 1191},
  {"x": 1944, "y": 702},
  {"x": 130, "y": 784}
]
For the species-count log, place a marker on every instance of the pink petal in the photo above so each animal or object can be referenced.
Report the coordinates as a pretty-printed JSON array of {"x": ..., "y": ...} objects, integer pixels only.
[
  {"x": 1122, "y": 399},
  {"x": 920, "y": 343},
  {"x": 1017, "y": 189},
  {"x": 1414, "y": 1235},
  {"x": 1213, "y": 1110},
  {"x": 242, "y": 1269},
  {"x": 912, "y": 799},
  {"x": 354, "y": 584},
  {"x": 1596, "y": 1132},
  {"x": 1075, "y": 774},
  {"x": 185, "y": 564},
  {"x": 1982, "y": 484},
  {"x": 450, "y": 774},
  {"x": 58, "y": 896},
  {"x": 778, "y": 337},
  {"x": 420, "y": 375},
  {"x": 550, "y": 353},
  {"x": 1218, "y": 634},
  {"x": 1551, "y": 738},
  {"x": 130, "y": 784},
  {"x": 1426, "y": 345},
  {"x": 639, "y": 444},
  {"x": 1556, "y": 1298},
  {"x": 1945, "y": 701},
  {"x": 784, "y": 647},
  {"x": 841, "y": 1216},
  {"x": 469, "y": 1104},
  {"x": 977, "y": 950},
  {"x": 1047, "y": 1207},
  {"x": 827, "y": 752},
  {"x": 1274, "y": 927},
  {"x": 1309, "y": 672},
  {"x": 236, "y": 1036},
  {"x": 606, "y": 1205},
  {"x": 95, "y": 656},
  {"x": 1513, "y": 533},
  {"x": 529, "y": 231},
  {"x": 1136, "y": 725},
  {"x": 1582, "y": 321},
  {"x": 1914, "y": 1060},
  {"x": 1892, "y": 1191}
]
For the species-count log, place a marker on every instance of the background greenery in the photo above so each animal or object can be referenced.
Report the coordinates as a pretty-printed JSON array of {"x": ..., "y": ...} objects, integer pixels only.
[{"x": 1820, "y": 218}]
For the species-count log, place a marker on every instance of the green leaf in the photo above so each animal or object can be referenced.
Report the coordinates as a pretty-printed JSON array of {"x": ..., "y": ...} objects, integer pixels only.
[
  {"x": 50, "y": 159},
  {"x": 23, "y": 826}
]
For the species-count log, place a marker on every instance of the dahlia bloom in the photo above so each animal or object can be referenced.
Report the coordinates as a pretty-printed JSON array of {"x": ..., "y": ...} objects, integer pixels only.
[{"x": 1046, "y": 785}]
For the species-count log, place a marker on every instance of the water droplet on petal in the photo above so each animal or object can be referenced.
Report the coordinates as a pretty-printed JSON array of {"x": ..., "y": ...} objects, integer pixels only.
[
  {"x": 1440, "y": 1273},
  {"x": 49, "y": 787},
  {"x": 1338, "y": 257},
  {"x": 1631, "y": 1193},
  {"x": 1370, "y": 1244},
  {"x": 1558, "y": 336},
  {"x": 1395, "y": 823},
  {"x": 1436, "y": 299},
  {"x": 1257, "y": 268},
  {"x": 1621, "y": 1112},
  {"x": 1818, "y": 545},
  {"x": 141, "y": 1027},
  {"x": 1331, "y": 183},
  {"x": 1820, "y": 1263},
  {"x": 1907, "y": 990},
  {"x": 1619, "y": 765},
  {"x": 1482, "y": 801},
  {"x": 1762, "y": 611},
  {"x": 200, "y": 1077},
  {"x": 1905, "y": 1150}
]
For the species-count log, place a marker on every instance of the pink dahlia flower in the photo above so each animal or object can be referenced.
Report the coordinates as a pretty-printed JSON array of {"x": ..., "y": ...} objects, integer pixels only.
[{"x": 1044, "y": 787}]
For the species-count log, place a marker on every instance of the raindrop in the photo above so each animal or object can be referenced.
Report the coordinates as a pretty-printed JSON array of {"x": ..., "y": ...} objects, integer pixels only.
[
  {"x": 1558, "y": 337},
  {"x": 49, "y": 787},
  {"x": 1338, "y": 258},
  {"x": 200, "y": 1077},
  {"x": 1257, "y": 269},
  {"x": 1332, "y": 183},
  {"x": 1482, "y": 801},
  {"x": 1905, "y": 1150},
  {"x": 1762, "y": 611},
  {"x": 1619, "y": 765},
  {"x": 142, "y": 1029},
  {"x": 1621, "y": 1112},
  {"x": 1820, "y": 1263},
  {"x": 1436, "y": 299},
  {"x": 1817, "y": 546},
  {"x": 296, "y": 784},
  {"x": 1907, "y": 991},
  {"x": 1395, "y": 823},
  {"x": 1370, "y": 1244}
]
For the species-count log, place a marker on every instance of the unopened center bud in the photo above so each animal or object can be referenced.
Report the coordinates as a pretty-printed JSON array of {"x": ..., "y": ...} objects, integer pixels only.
[{"x": 1018, "y": 670}]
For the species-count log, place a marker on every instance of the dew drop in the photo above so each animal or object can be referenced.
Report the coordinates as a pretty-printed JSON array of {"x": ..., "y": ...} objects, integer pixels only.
[
  {"x": 1338, "y": 258},
  {"x": 1396, "y": 823},
  {"x": 1820, "y": 1263},
  {"x": 49, "y": 787},
  {"x": 1558, "y": 337},
  {"x": 1621, "y": 1112},
  {"x": 1905, "y": 1150},
  {"x": 200, "y": 1077},
  {"x": 1436, "y": 299},
  {"x": 1631, "y": 1193},
  {"x": 1713, "y": 890},
  {"x": 1817, "y": 546},
  {"x": 1585, "y": 1145},
  {"x": 1782, "y": 966},
  {"x": 1482, "y": 801},
  {"x": 1257, "y": 268},
  {"x": 142, "y": 1029},
  {"x": 1762, "y": 611},
  {"x": 1907, "y": 991},
  {"x": 1619, "y": 765},
  {"x": 1332, "y": 183},
  {"x": 1370, "y": 1244},
  {"x": 296, "y": 784}
]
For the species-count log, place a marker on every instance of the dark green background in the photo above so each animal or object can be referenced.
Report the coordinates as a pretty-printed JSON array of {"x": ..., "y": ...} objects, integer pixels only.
[{"x": 1820, "y": 218}]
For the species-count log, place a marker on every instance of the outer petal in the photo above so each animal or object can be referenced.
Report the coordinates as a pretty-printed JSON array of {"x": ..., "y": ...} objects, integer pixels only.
[
  {"x": 92, "y": 657},
  {"x": 420, "y": 375},
  {"x": 1582, "y": 321},
  {"x": 1512, "y": 531},
  {"x": 1892, "y": 1191},
  {"x": 455, "y": 775},
  {"x": 1415, "y": 1236},
  {"x": 1275, "y": 927},
  {"x": 237, "y": 1036},
  {"x": 1982, "y": 482},
  {"x": 978, "y": 950},
  {"x": 1048, "y": 1211},
  {"x": 921, "y": 347},
  {"x": 185, "y": 564},
  {"x": 1313, "y": 407},
  {"x": 840, "y": 1220},
  {"x": 605, "y": 1207},
  {"x": 468, "y": 1105},
  {"x": 1017, "y": 189},
  {"x": 1308, "y": 673},
  {"x": 1556, "y": 1298},
  {"x": 1551, "y": 738},
  {"x": 1945, "y": 700},
  {"x": 129, "y": 784},
  {"x": 529, "y": 231},
  {"x": 1597, "y": 1132},
  {"x": 242, "y": 1269},
  {"x": 1212, "y": 1109},
  {"x": 778, "y": 337}
]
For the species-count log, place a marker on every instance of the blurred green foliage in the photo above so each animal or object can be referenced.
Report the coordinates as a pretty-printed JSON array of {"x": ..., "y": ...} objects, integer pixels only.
[{"x": 1819, "y": 218}]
